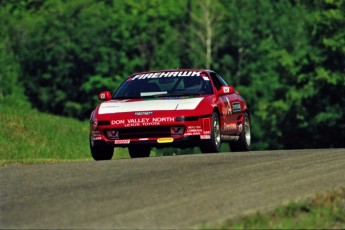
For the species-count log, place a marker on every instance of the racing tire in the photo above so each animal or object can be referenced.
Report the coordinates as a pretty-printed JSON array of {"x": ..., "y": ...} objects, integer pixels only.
[
  {"x": 212, "y": 145},
  {"x": 102, "y": 152},
  {"x": 137, "y": 151},
  {"x": 243, "y": 142}
]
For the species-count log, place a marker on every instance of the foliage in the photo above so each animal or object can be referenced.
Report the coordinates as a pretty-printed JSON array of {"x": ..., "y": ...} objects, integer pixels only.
[
  {"x": 9, "y": 69},
  {"x": 287, "y": 58},
  {"x": 28, "y": 136},
  {"x": 317, "y": 97}
]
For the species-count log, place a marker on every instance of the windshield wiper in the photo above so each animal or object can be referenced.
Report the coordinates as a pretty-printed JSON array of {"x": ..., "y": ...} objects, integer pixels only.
[
  {"x": 183, "y": 94},
  {"x": 121, "y": 98}
]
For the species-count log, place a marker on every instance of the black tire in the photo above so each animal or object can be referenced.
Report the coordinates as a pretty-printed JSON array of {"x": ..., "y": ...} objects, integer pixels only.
[
  {"x": 102, "y": 152},
  {"x": 212, "y": 145},
  {"x": 137, "y": 151},
  {"x": 243, "y": 143}
]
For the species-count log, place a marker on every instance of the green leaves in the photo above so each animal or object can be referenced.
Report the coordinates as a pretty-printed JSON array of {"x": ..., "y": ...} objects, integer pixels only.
[{"x": 285, "y": 57}]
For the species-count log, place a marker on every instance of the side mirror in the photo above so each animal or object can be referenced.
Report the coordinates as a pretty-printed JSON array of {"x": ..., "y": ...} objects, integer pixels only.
[
  {"x": 226, "y": 90},
  {"x": 104, "y": 96}
]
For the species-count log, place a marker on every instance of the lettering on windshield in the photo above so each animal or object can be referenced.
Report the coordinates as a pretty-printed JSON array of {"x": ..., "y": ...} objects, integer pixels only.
[{"x": 167, "y": 74}]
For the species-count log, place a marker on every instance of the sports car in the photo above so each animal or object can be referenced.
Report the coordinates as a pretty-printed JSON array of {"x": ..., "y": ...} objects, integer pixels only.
[{"x": 170, "y": 108}]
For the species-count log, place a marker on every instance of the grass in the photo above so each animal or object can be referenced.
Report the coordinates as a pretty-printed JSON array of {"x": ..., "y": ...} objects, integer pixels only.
[
  {"x": 321, "y": 211},
  {"x": 28, "y": 136}
]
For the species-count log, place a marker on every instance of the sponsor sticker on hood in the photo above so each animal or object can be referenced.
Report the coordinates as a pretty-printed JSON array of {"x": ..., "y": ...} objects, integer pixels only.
[{"x": 143, "y": 113}]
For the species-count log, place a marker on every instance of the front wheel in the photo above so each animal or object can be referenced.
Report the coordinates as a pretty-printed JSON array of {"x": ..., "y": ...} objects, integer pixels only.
[
  {"x": 212, "y": 145},
  {"x": 136, "y": 151},
  {"x": 102, "y": 152},
  {"x": 243, "y": 143}
]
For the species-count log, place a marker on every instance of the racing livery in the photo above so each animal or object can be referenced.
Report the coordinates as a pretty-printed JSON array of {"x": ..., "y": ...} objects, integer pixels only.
[{"x": 170, "y": 108}]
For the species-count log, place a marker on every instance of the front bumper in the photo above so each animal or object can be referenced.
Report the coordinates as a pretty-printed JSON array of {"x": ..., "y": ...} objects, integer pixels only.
[
  {"x": 183, "y": 134},
  {"x": 184, "y": 142}
]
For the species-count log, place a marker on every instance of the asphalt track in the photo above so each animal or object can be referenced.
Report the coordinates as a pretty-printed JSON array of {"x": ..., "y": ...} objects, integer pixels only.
[{"x": 162, "y": 192}]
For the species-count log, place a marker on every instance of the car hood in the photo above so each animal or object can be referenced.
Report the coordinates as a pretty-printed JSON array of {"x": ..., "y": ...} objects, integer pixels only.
[{"x": 130, "y": 105}]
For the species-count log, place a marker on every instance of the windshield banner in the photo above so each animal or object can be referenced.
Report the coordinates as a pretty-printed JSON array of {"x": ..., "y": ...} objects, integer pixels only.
[{"x": 167, "y": 74}]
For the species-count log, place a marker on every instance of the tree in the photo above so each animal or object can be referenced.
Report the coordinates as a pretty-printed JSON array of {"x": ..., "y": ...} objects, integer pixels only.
[
  {"x": 9, "y": 68},
  {"x": 65, "y": 46},
  {"x": 285, "y": 57},
  {"x": 265, "y": 42},
  {"x": 204, "y": 26},
  {"x": 318, "y": 102}
]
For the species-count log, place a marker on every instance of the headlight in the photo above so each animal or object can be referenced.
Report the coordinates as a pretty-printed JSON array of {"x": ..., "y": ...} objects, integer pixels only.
[{"x": 94, "y": 123}]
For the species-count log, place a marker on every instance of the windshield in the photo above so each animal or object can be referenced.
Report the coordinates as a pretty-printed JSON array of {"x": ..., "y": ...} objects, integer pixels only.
[{"x": 165, "y": 84}]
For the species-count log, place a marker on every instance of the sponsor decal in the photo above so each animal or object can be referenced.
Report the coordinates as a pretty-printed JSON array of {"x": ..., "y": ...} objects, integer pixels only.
[
  {"x": 142, "y": 113},
  {"x": 226, "y": 89},
  {"x": 176, "y": 130},
  {"x": 117, "y": 122},
  {"x": 145, "y": 121},
  {"x": 193, "y": 130},
  {"x": 205, "y": 137},
  {"x": 194, "y": 127},
  {"x": 229, "y": 112},
  {"x": 143, "y": 139},
  {"x": 228, "y": 127},
  {"x": 236, "y": 106},
  {"x": 120, "y": 142},
  {"x": 167, "y": 74},
  {"x": 165, "y": 140},
  {"x": 113, "y": 134},
  {"x": 226, "y": 110}
]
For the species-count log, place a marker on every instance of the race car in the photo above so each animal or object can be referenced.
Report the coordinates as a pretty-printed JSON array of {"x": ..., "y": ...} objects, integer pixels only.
[{"x": 181, "y": 108}]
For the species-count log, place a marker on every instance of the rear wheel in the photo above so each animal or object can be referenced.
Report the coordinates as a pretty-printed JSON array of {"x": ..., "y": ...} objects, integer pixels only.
[
  {"x": 243, "y": 143},
  {"x": 136, "y": 151},
  {"x": 212, "y": 145},
  {"x": 102, "y": 152}
]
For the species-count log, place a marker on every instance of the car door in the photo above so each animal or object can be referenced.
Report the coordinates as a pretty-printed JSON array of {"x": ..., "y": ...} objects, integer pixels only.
[{"x": 229, "y": 106}]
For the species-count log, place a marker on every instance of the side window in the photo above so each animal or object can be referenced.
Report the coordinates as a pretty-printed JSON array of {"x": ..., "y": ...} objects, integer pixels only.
[
  {"x": 217, "y": 80},
  {"x": 222, "y": 80}
]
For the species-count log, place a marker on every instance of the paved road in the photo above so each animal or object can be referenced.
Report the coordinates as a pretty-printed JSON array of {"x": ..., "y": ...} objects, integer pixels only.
[{"x": 162, "y": 192}]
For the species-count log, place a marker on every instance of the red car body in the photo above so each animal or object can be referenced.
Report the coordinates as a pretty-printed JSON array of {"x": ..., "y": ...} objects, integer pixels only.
[{"x": 157, "y": 109}]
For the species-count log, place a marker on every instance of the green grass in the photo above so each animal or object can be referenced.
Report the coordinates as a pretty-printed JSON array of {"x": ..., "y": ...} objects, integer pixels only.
[
  {"x": 322, "y": 211},
  {"x": 28, "y": 136}
]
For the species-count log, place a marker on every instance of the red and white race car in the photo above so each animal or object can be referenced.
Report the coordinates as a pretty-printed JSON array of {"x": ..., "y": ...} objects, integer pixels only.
[{"x": 170, "y": 108}]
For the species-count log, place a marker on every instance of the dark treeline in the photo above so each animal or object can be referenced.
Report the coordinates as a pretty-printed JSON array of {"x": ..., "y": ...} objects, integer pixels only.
[{"x": 286, "y": 57}]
